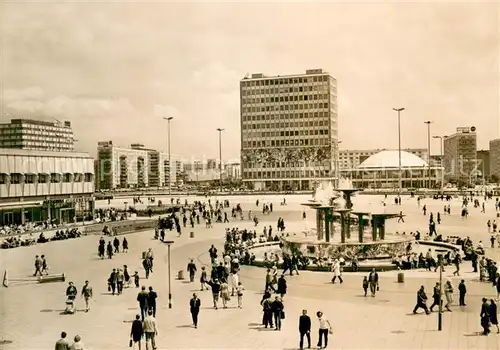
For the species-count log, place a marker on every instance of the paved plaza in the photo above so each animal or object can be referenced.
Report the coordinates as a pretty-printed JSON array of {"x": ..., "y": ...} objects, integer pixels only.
[{"x": 31, "y": 313}]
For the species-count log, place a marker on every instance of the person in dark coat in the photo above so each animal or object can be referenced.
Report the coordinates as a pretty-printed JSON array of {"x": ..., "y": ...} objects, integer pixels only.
[
  {"x": 136, "y": 331},
  {"x": 125, "y": 245},
  {"x": 282, "y": 287},
  {"x": 194, "y": 308},
  {"x": 304, "y": 329},
  {"x": 485, "y": 317},
  {"x": 492, "y": 309},
  {"x": 277, "y": 309},
  {"x": 462, "y": 290}
]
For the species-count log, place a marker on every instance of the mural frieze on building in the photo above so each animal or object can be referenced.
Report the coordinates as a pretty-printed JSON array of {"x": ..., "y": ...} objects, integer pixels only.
[{"x": 288, "y": 155}]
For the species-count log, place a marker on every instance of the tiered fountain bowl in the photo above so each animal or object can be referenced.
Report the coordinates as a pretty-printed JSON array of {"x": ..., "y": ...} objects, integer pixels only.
[{"x": 334, "y": 209}]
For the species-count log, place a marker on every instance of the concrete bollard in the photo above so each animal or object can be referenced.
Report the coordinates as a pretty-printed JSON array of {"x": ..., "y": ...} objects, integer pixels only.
[
  {"x": 401, "y": 277},
  {"x": 180, "y": 275},
  {"x": 59, "y": 277},
  {"x": 191, "y": 234}
]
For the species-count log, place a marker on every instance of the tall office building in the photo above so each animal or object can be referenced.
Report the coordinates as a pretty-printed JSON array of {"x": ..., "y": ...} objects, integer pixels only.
[
  {"x": 483, "y": 163},
  {"x": 37, "y": 135},
  {"x": 289, "y": 130},
  {"x": 460, "y": 154},
  {"x": 495, "y": 159}
]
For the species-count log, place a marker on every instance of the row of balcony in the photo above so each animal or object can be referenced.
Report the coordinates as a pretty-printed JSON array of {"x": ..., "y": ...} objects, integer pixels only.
[
  {"x": 42, "y": 178},
  {"x": 45, "y": 189}
]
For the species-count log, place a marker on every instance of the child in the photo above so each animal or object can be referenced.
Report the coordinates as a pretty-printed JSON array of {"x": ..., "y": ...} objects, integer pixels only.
[
  {"x": 239, "y": 292},
  {"x": 136, "y": 279},
  {"x": 365, "y": 285}
]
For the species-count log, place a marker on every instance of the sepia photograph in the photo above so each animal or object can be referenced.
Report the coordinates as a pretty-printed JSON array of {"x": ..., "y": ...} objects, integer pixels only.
[{"x": 240, "y": 175}]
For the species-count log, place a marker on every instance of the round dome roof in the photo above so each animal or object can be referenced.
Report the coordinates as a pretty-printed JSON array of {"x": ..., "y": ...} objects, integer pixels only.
[{"x": 390, "y": 159}]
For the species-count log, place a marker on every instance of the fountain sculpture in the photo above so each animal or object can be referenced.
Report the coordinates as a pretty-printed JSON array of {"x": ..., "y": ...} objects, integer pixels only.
[{"x": 334, "y": 207}]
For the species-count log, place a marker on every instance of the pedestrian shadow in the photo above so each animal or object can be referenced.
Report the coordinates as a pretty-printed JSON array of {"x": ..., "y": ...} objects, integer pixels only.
[
  {"x": 253, "y": 324},
  {"x": 47, "y": 310},
  {"x": 186, "y": 282},
  {"x": 185, "y": 326},
  {"x": 474, "y": 334},
  {"x": 108, "y": 293}
]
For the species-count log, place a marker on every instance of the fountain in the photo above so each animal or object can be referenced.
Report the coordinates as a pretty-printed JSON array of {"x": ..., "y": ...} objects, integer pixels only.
[{"x": 334, "y": 207}]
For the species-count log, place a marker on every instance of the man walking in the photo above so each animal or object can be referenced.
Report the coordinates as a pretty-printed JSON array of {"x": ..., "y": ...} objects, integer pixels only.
[
  {"x": 142, "y": 298},
  {"x": 150, "y": 330},
  {"x": 38, "y": 266},
  {"x": 191, "y": 268},
  {"x": 436, "y": 296},
  {"x": 45, "y": 267},
  {"x": 112, "y": 280},
  {"x": 87, "y": 295},
  {"x": 152, "y": 295},
  {"x": 421, "y": 301},
  {"x": 194, "y": 308},
  {"x": 304, "y": 329},
  {"x": 62, "y": 344},
  {"x": 462, "y": 290},
  {"x": 373, "y": 282}
]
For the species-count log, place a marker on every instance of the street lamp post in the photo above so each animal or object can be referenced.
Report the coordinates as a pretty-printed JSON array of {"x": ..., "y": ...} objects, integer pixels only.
[
  {"x": 428, "y": 122},
  {"x": 441, "y": 141},
  {"x": 399, "y": 110},
  {"x": 337, "y": 162},
  {"x": 440, "y": 314},
  {"x": 168, "y": 119},
  {"x": 169, "y": 243},
  {"x": 220, "y": 158}
]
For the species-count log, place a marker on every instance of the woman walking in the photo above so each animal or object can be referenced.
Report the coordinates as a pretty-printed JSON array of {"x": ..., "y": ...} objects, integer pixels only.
[
  {"x": 492, "y": 308},
  {"x": 324, "y": 328},
  {"x": 136, "y": 332},
  {"x": 448, "y": 291},
  {"x": 278, "y": 308},
  {"x": 239, "y": 292},
  {"x": 224, "y": 293}
]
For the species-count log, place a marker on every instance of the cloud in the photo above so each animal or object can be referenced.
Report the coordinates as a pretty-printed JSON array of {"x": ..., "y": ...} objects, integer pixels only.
[
  {"x": 33, "y": 102},
  {"x": 115, "y": 69}
]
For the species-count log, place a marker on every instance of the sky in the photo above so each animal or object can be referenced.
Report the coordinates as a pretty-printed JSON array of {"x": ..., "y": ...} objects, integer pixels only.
[{"x": 115, "y": 69}]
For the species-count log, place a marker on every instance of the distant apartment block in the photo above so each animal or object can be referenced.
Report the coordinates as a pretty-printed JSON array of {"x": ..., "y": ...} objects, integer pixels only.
[
  {"x": 495, "y": 158},
  {"x": 135, "y": 167},
  {"x": 209, "y": 170},
  {"x": 38, "y": 135},
  {"x": 460, "y": 154},
  {"x": 289, "y": 128}
]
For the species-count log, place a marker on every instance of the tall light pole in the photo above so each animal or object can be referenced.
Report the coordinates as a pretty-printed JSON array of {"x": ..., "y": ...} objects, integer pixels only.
[
  {"x": 441, "y": 141},
  {"x": 169, "y": 243},
  {"x": 428, "y": 122},
  {"x": 337, "y": 162},
  {"x": 399, "y": 110},
  {"x": 220, "y": 158},
  {"x": 168, "y": 119}
]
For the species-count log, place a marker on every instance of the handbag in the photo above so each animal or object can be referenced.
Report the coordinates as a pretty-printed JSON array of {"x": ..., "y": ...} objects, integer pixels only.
[
  {"x": 130, "y": 343},
  {"x": 109, "y": 287},
  {"x": 282, "y": 315},
  {"x": 330, "y": 331}
]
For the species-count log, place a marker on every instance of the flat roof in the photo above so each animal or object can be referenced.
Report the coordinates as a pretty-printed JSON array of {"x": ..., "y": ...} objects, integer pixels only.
[
  {"x": 262, "y": 76},
  {"x": 39, "y": 153}
]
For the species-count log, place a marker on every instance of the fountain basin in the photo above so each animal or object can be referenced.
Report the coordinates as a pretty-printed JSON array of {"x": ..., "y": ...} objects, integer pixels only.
[{"x": 311, "y": 247}]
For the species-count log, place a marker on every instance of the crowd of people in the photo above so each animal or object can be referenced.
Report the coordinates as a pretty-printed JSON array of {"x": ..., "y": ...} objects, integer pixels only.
[{"x": 221, "y": 275}]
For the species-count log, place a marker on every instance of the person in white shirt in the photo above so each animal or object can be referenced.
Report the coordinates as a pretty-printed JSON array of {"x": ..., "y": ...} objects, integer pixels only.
[
  {"x": 77, "y": 345},
  {"x": 150, "y": 330},
  {"x": 324, "y": 328}
]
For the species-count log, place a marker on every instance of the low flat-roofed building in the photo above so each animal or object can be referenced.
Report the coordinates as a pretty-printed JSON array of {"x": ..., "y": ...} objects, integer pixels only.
[
  {"x": 45, "y": 185},
  {"x": 381, "y": 170}
]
